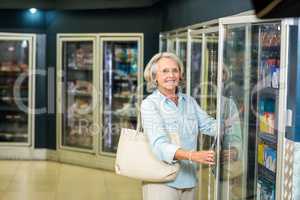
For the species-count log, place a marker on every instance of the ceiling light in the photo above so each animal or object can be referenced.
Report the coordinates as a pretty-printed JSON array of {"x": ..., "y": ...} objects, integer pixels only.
[{"x": 32, "y": 10}]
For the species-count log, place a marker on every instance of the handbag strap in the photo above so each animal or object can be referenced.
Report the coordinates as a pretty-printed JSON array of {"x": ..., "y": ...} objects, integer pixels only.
[
  {"x": 139, "y": 121},
  {"x": 139, "y": 127}
]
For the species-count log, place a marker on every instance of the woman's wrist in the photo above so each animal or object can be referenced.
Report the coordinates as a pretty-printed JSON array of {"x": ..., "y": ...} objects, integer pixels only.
[{"x": 184, "y": 155}]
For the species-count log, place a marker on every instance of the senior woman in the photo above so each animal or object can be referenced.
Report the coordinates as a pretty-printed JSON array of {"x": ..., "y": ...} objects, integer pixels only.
[{"x": 172, "y": 121}]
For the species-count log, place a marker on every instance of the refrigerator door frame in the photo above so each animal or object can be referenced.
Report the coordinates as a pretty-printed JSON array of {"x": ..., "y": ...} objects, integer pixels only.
[
  {"x": 31, "y": 38},
  {"x": 222, "y": 24},
  {"x": 139, "y": 38},
  {"x": 61, "y": 38},
  {"x": 283, "y": 92},
  {"x": 203, "y": 73}
]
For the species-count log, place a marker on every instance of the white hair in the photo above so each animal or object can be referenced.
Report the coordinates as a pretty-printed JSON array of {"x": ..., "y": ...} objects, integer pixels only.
[{"x": 151, "y": 68}]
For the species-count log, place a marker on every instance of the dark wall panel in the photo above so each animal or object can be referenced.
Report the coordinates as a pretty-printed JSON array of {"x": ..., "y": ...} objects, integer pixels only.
[
  {"x": 145, "y": 20},
  {"x": 180, "y": 13},
  {"x": 22, "y": 21},
  {"x": 41, "y": 129}
]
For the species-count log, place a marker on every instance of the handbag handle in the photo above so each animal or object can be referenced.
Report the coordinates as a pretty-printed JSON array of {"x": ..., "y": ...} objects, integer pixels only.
[{"x": 139, "y": 127}]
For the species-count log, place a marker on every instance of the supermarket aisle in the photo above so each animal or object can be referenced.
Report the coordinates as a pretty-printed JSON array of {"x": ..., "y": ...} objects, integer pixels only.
[{"x": 35, "y": 180}]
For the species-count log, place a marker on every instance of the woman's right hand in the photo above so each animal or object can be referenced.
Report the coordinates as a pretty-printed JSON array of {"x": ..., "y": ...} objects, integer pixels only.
[{"x": 204, "y": 157}]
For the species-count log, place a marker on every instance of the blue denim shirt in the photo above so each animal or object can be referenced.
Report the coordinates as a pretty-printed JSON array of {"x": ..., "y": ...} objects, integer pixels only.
[{"x": 161, "y": 118}]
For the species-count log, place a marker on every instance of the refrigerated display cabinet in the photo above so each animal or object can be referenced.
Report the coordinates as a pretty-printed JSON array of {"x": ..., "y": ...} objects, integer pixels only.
[
  {"x": 252, "y": 74},
  {"x": 121, "y": 81},
  {"x": 99, "y": 85},
  {"x": 76, "y": 92},
  {"x": 17, "y": 65},
  {"x": 248, "y": 64}
]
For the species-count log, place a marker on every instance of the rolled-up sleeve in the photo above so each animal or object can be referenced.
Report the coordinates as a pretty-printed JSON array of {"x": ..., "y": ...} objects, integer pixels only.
[
  {"x": 154, "y": 128},
  {"x": 207, "y": 125}
]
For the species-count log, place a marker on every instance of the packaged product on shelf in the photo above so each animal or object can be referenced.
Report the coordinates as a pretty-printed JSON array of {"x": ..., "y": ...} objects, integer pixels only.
[
  {"x": 80, "y": 107},
  {"x": 79, "y": 58},
  {"x": 126, "y": 60},
  {"x": 83, "y": 58},
  {"x": 270, "y": 158},
  {"x": 265, "y": 190},
  {"x": 258, "y": 190},
  {"x": 267, "y": 115},
  {"x": 23, "y": 67},
  {"x": 267, "y": 123},
  {"x": 260, "y": 153},
  {"x": 265, "y": 75},
  {"x": 9, "y": 66},
  {"x": 275, "y": 76},
  {"x": 88, "y": 55},
  {"x": 80, "y": 87}
]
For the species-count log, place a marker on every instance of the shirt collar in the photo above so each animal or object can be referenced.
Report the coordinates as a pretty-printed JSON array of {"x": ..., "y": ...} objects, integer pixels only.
[{"x": 164, "y": 98}]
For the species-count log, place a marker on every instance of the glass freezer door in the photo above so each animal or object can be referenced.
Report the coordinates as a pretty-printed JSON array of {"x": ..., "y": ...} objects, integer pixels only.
[
  {"x": 171, "y": 44},
  {"x": 268, "y": 50},
  {"x": 77, "y": 95},
  {"x": 120, "y": 80},
  {"x": 196, "y": 68},
  {"x": 15, "y": 61},
  {"x": 208, "y": 103},
  {"x": 234, "y": 99},
  {"x": 181, "y": 52},
  {"x": 249, "y": 110},
  {"x": 162, "y": 43}
]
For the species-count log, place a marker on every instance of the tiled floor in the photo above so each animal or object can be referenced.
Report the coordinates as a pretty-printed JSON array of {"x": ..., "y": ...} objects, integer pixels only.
[{"x": 36, "y": 180}]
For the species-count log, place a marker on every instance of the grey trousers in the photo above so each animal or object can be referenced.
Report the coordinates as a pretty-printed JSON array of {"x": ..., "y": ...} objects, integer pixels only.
[{"x": 155, "y": 191}]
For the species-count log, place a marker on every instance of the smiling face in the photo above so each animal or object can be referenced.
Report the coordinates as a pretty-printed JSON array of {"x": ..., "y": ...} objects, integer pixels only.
[{"x": 168, "y": 75}]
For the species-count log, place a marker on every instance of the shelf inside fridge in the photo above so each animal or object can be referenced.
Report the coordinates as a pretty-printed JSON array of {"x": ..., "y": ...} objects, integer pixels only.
[
  {"x": 265, "y": 173},
  {"x": 269, "y": 139}
]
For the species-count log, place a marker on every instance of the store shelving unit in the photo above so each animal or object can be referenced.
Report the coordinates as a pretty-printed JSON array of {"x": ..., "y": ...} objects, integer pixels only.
[{"x": 17, "y": 64}]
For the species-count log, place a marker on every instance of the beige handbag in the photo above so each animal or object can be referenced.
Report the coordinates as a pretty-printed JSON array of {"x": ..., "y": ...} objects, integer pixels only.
[{"x": 136, "y": 160}]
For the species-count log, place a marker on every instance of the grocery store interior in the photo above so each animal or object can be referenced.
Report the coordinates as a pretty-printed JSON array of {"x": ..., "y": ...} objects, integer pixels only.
[{"x": 71, "y": 77}]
